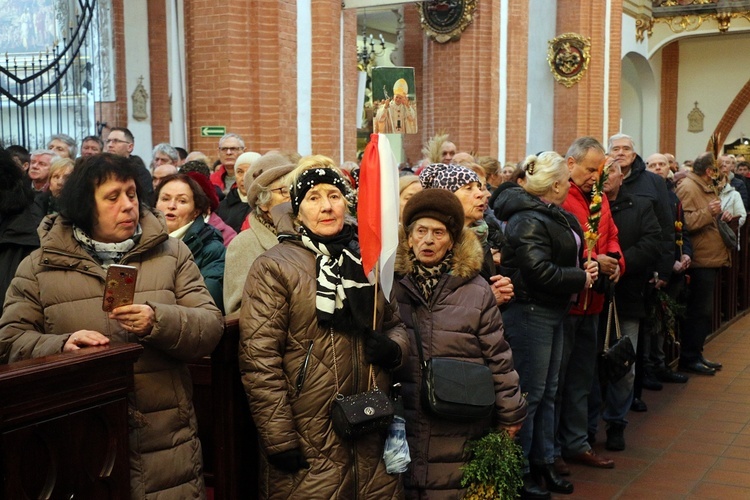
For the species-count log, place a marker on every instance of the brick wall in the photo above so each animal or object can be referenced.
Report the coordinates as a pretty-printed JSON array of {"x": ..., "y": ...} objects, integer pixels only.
[
  {"x": 159, "y": 91},
  {"x": 518, "y": 50},
  {"x": 579, "y": 110},
  {"x": 457, "y": 83},
  {"x": 670, "y": 65},
  {"x": 241, "y": 72},
  {"x": 733, "y": 112}
]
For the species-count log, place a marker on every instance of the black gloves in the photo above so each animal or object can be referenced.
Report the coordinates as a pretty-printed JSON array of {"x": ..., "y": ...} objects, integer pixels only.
[
  {"x": 289, "y": 461},
  {"x": 382, "y": 351}
]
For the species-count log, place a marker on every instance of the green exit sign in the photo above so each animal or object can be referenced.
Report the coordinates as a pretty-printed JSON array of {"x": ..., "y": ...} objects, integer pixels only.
[{"x": 213, "y": 131}]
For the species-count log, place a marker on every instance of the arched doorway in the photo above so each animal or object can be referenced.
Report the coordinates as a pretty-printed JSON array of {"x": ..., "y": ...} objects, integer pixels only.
[{"x": 639, "y": 109}]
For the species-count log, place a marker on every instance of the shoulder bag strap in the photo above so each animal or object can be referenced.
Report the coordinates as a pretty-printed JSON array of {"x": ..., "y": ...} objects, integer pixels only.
[{"x": 418, "y": 337}]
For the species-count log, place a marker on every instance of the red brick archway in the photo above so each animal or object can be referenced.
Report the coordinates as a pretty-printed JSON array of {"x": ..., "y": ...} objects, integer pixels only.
[{"x": 733, "y": 112}]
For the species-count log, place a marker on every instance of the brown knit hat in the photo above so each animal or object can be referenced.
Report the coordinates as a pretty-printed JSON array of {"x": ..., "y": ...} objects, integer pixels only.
[
  {"x": 264, "y": 180},
  {"x": 439, "y": 204}
]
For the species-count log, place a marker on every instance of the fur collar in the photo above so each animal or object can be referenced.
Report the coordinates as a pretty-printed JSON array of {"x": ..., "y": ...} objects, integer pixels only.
[{"x": 467, "y": 255}]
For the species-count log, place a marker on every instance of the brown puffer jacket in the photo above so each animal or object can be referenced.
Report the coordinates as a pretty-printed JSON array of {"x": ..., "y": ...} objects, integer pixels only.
[
  {"x": 461, "y": 321},
  {"x": 58, "y": 290},
  {"x": 278, "y": 324}
]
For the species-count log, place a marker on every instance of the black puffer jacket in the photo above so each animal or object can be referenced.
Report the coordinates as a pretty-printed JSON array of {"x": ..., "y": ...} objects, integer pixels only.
[
  {"x": 650, "y": 186},
  {"x": 541, "y": 254},
  {"x": 233, "y": 210},
  {"x": 639, "y": 234}
]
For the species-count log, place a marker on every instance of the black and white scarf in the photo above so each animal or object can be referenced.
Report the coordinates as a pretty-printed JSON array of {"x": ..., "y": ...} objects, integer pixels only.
[{"x": 344, "y": 296}]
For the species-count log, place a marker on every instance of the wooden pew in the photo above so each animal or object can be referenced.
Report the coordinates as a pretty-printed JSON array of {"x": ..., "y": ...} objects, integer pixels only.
[
  {"x": 226, "y": 430},
  {"x": 64, "y": 426}
]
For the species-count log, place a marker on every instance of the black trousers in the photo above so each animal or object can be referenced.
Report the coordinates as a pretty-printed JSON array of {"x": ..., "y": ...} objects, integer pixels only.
[{"x": 700, "y": 308}]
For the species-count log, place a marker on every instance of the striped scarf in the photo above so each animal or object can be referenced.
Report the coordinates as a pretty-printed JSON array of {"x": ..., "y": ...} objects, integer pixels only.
[{"x": 344, "y": 296}]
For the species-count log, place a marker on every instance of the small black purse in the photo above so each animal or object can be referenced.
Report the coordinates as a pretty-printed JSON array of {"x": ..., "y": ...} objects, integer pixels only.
[
  {"x": 359, "y": 414},
  {"x": 616, "y": 360}
]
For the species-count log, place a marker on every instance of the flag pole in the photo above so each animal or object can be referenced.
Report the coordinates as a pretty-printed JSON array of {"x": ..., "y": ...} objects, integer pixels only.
[{"x": 375, "y": 298}]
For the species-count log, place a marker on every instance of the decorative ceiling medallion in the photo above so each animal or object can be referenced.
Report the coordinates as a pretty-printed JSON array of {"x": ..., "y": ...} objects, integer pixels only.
[
  {"x": 568, "y": 58},
  {"x": 445, "y": 20}
]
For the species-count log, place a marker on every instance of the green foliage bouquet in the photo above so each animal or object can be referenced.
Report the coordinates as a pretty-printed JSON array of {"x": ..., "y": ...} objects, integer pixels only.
[{"x": 494, "y": 470}]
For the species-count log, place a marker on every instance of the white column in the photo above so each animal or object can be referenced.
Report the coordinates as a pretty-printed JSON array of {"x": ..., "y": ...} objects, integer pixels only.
[
  {"x": 607, "y": 49},
  {"x": 304, "y": 77},
  {"x": 176, "y": 72},
  {"x": 137, "y": 65},
  {"x": 540, "y": 85}
]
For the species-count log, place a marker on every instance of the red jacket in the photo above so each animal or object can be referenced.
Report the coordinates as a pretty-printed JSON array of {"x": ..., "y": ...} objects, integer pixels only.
[
  {"x": 217, "y": 177},
  {"x": 577, "y": 203}
]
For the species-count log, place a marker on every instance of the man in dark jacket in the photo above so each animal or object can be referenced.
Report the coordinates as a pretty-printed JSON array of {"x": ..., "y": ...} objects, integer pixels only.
[
  {"x": 655, "y": 369},
  {"x": 639, "y": 182},
  {"x": 121, "y": 142},
  {"x": 639, "y": 236},
  {"x": 19, "y": 218}
]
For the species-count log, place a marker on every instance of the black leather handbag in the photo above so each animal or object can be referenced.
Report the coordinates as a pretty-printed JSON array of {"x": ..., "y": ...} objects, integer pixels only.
[
  {"x": 728, "y": 236},
  {"x": 360, "y": 414},
  {"x": 453, "y": 389},
  {"x": 616, "y": 360}
]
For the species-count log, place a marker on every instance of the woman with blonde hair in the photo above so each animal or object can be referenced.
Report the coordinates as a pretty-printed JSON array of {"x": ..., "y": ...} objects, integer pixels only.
[
  {"x": 408, "y": 186},
  {"x": 543, "y": 255}
]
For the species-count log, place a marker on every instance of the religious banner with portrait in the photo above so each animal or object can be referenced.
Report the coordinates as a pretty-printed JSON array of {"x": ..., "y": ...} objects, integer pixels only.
[{"x": 395, "y": 99}]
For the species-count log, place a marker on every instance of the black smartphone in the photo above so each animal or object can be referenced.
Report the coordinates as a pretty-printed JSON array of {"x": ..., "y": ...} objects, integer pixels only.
[{"x": 119, "y": 288}]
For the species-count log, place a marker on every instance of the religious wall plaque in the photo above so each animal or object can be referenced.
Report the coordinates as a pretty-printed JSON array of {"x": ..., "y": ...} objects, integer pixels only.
[
  {"x": 445, "y": 20},
  {"x": 568, "y": 58}
]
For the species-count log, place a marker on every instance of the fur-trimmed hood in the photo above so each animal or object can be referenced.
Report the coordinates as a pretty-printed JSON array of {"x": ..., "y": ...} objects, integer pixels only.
[{"x": 467, "y": 255}]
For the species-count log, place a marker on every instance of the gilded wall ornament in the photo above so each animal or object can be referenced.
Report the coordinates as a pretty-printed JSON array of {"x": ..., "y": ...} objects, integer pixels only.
[
  {"x": 568, "y": 58},
  {"x": 445, "y": 20},
  {"x": 695, "y": 119}
]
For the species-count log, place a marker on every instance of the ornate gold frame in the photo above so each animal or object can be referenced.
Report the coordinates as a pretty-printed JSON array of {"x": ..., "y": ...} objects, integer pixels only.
[
  {"x": 568, "y": 57},
  {"x": 443, "y": 34}
]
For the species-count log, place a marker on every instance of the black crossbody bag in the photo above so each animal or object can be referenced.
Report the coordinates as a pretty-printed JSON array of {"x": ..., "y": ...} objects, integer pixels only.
[{"x": 453, "y": 389}]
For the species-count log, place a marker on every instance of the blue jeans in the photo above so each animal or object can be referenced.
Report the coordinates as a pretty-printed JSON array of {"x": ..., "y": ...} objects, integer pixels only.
[
  {"x": 534, "y": 333},
  {"x": 619, "y": 395},
  {"x": 576, "y": 376}
]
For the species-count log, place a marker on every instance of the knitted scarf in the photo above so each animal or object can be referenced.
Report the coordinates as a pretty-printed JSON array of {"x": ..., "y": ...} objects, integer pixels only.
[{"x": 106, "y": 253}]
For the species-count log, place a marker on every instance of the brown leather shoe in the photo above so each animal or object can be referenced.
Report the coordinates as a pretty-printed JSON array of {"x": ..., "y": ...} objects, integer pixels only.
[
  {"x": 591, "y": 459},
  {"x": 561, "y": 467}
]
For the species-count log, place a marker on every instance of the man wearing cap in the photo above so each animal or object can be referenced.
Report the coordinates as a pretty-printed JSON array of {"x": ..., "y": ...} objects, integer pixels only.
[{"x": 396, "y": 115}]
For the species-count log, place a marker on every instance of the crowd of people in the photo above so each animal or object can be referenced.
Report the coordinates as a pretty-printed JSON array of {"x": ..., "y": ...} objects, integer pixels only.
[{"x": 513, "y": 267}]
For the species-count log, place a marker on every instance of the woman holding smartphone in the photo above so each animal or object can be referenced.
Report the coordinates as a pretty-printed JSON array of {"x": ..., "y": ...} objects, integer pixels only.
[{"x": 54, "y": 304}]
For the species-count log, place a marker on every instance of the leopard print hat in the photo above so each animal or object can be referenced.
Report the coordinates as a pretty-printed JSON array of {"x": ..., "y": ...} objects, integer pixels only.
[{"x": 450, "y": 177}]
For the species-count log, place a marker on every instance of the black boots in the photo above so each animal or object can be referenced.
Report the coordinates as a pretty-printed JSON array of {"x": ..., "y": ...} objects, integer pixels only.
[
  {"x": 615, "y": 437},
  {"x": 551, "y": 478},
  {"x": 531, "y": 490}
]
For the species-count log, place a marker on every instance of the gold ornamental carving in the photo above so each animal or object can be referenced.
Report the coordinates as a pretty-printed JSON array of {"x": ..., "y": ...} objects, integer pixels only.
[
  {"x": 568, "y": 57},
  {"x": 445, "y": 20}
]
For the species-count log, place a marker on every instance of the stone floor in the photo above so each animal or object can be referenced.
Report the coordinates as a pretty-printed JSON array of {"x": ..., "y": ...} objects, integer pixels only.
[{"x": 694, "y": 440}]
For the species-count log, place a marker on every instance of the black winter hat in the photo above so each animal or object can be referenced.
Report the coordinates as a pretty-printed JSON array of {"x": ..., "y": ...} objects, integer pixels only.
[{"x": 439, "y": 204}]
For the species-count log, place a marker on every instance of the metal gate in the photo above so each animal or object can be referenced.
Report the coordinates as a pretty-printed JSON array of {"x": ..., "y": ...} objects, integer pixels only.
[{"x": 51, "y": 71}]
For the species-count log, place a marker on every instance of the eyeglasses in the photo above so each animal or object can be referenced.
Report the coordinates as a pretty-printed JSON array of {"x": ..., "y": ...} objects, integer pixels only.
[
  {"x": 231, "y": 150},
  {"x": 116, "y": 141},
  {"x": 283, "y": 191}
]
